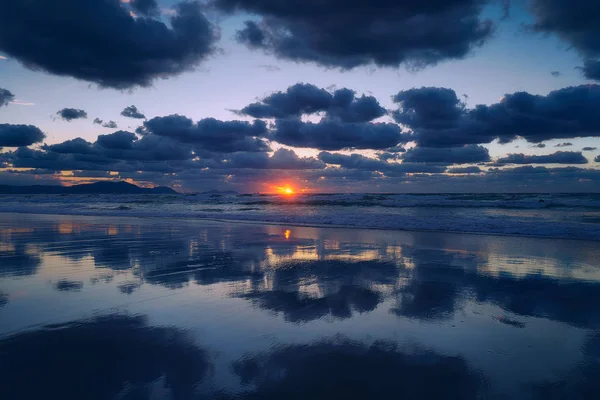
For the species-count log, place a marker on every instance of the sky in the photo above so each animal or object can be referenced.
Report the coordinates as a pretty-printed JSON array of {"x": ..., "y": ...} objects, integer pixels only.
[{"x": 321, "y": 96}]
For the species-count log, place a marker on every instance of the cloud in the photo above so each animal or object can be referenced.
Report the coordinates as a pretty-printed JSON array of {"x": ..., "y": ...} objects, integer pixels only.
[
  {"x": 597, "y": 159},
  {"x": 589, "y": 148},
  {"x": 98, "y": 121},
  {"x": 302, "y": 99},
  {"x": 591, "y": 69},
  {"x": 453, "y": 155},
  {"x": 210, "y": 134},
  {"x": 465, "y": 170},
  {"x": 386, "y": 33},
  {"x": 73, "y": 146},
  {"x": 69, "y": 114},
  {"x": 336, "y": 135},
  {"x": 555, "y": 74},
  {"x": 102, "y": 43},
  {"x": 288, "y": 159},
  {"x": 577, "y": 24},
  {"x": 541, "y": 146},
  {"x": 564, "y": 144},
  {"x": 439, "y": 119},
  {"x": 145, "y": 7},
  {"x": 270, "y": 68},
  {"x": 120, "y": 140},
  {"x": 132, "y": 112},
  {"x": 19, "y": 135},
  {"x": 110, "y": 124},
  {"x": 560, "y": 157},
  {"x": 119, "y": 151},
  {"x": 360, "y": 162},
  {"x": 5, "y": 97}
]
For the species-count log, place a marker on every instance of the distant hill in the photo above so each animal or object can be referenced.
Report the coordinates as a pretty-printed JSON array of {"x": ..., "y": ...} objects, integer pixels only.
[{"x": 92, "y": 188}]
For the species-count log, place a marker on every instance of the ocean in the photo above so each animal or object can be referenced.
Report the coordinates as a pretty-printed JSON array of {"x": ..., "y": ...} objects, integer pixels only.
[{"x": 574, "y": 216}]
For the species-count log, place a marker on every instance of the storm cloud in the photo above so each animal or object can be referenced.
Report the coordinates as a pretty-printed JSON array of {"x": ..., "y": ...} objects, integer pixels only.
[
  {"x": 5, "y": 97},
  {"x": 69, "y": 114},
  {"x": 302, "y": 98},
  {"x": 385, "y": 33},
  {"x": 103, "y": 43},
  {"x": 132, "y": 112},
  {"x": 560, "y": 157},
  {"x": 19, "y": 135},
  {"x": 438, "y": 118}
]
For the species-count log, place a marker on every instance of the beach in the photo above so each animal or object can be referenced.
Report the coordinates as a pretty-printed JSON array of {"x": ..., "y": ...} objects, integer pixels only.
[{"x": 167, "y": 308}]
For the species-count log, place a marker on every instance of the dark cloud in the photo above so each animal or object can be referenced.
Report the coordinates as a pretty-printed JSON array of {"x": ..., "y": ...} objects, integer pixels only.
[
  {"x": 132, "y": 112},
  {"x": 336, "y": 135},
  {"x": 576, "y": 23},
  {"x": 102, "y": 43},
  {"x": 120, "y": 140},
  {"x": 564, "y": 144},
  {"x": 120, "y": 151},
  {"x": 98, "y": 121},
  {"x": 5, "y": 97},
  {"x": 73, "y": 146},
  {"x": 109, "y": 124},
  {"x": 19, "y": 135},
  {"x": 210, "y": 134},
  {"x": 555, "y": 74},
  {"x": 69, "y": 114},
  {"x": 597, "y": 159},
  {"x": 439, "y": 119},
  {"x": 303, "y": 98},
  {"x": 560, "y": 157},
  {"x": 589, "y": 148},
  {"x": 465, "y": 170},
  {"x": 591, "y": 69},
  {"x": 541, "y": 146},
  {"x": 454, "y": 155},
  {"x": 145, "y": 7},
  {"x": 360, "y": 162},
  {"x": 288, "y": 159},
  {"x": 386, "y": 33}
]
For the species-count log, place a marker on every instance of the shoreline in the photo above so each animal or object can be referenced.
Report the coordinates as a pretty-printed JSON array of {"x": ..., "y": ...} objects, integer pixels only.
[{"x": 303, "y": 225}]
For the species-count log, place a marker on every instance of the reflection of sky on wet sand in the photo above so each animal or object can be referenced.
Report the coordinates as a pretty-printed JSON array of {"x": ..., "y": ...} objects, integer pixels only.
[{"x": 516, "y": 312}]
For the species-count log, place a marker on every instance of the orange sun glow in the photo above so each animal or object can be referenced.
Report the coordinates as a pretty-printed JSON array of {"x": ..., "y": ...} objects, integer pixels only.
[{"x": 285, "y": 190}]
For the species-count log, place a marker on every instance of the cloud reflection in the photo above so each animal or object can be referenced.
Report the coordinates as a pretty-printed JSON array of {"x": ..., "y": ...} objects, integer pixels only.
[
  {"x": 115, "y": 356},
  {"x": 344, "y": 369},
  {"x": 306, "y": 274}
]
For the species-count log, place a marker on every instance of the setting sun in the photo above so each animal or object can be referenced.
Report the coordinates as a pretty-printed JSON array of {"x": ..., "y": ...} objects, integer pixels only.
[{"x": 286, "y": 190}]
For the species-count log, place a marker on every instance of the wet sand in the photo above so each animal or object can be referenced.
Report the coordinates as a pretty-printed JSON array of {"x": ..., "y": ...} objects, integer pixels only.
[{"x": 103, "y": 308}]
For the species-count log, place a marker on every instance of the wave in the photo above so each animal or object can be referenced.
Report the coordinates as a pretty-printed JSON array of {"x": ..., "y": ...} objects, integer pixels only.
[{"x": 546, "y": 215}]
